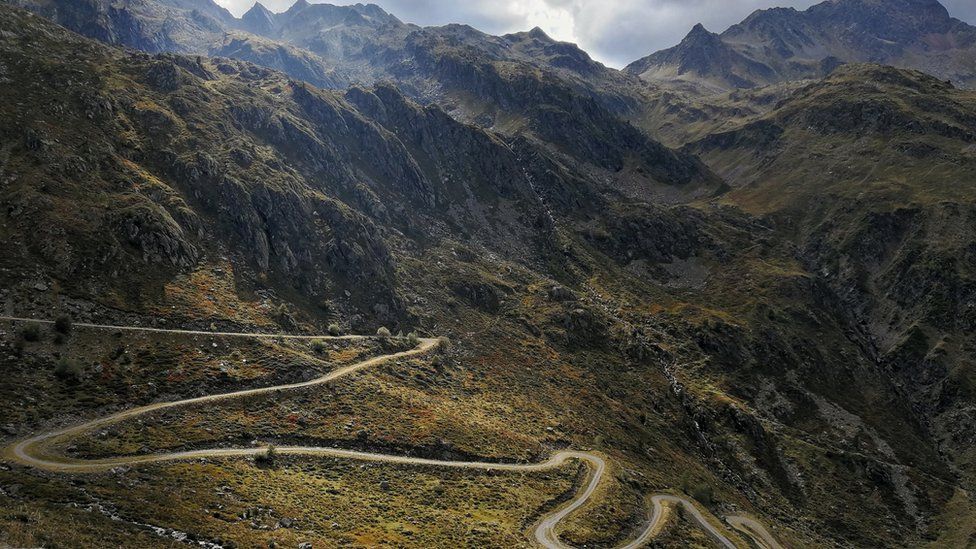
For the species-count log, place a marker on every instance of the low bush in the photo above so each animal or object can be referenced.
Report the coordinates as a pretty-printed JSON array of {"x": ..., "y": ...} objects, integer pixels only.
[
  {"x": 703, "y": 494},
  {"x": 63, "y": 324},
  {"x": 68, "y": 370},
  {"x": 318, "y": 346},
  {"x": 444, "y": 344},
  {"x": 383, "y": 332},
  {"x": 269, "y": 455},
  {"x": 31, "y": 332},
  {"x": 334, "y": 330}
]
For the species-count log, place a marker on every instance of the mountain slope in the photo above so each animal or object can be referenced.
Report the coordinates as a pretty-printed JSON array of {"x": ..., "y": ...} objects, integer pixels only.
[
  {"x": 871, "y": 173},
  {"x": 520, "y": 85}
]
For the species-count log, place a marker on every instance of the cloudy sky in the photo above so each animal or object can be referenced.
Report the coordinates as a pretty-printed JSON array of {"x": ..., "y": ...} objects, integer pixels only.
[{"x": 615, "y": 32}]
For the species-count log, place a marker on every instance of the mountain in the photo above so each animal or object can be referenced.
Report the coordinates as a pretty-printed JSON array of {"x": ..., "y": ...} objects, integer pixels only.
[
  {"x": 704, "y": 55},
  {"x": 185, "y": 26},
  {"x": 782, "y": 44},
  {"x": 771, "y": 321},
  {"x": 356, "y": 44},
  {"x": 521, "y": 85},
  {"x": 258, "y": 20},
  {"x": 870, "y": 171}
]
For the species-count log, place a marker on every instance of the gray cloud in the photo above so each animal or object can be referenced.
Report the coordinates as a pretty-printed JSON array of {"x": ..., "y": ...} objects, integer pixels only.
[{"x": 615, "y": 32}]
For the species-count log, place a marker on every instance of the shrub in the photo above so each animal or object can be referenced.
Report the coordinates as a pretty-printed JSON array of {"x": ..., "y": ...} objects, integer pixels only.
[
  {"x": 269, "y": 456},
  {"x": 703, "y": 493},
  {"x": 63, "y": 324},
  {"x": 318, "y": 346},
  {"x": 444, "y": 344},
  {"x": 334, "y": 330},
  {"x": 68, "y": 370},
  {"x": 413, "y": 339},
  {"x": 383, "y": 332},
  {"x": 31, "y": 332}
]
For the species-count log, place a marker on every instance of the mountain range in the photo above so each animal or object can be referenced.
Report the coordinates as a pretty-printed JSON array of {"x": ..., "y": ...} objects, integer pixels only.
[
  {"x": 742, "y": 270},
  {"x": 783, "y": 44}
]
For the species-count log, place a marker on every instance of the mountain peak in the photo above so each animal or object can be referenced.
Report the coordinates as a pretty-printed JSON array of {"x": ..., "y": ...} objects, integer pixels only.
[
  {"x": 892, "y": 20},
  {"x": 702, "y": 56},
  {"x": 258, "y": 8},
  {"x": 533, "y": 34},
  {"x": 699, "y": 35},
  {"x": 298, "y": 6},
  {"x": 258, "y": 19}
]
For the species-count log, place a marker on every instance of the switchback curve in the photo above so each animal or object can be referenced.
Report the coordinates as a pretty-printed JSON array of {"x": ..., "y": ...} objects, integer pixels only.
[{"x": 33, "y": 451}]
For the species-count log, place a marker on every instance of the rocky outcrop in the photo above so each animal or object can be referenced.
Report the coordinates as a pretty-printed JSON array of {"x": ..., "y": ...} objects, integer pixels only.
[{"x": 158, "y": 237}]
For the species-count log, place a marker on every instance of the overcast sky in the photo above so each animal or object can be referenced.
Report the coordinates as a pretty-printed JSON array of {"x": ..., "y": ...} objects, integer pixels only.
[{"x": 615, "y": 32}]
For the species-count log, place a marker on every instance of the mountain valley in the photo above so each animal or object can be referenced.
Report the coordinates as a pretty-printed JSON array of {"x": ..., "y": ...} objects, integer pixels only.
[{"x": 738, "y": 274}]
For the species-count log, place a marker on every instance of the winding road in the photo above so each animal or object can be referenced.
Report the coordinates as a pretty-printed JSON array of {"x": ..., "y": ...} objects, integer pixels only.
[{"x": 37, "y": 452}]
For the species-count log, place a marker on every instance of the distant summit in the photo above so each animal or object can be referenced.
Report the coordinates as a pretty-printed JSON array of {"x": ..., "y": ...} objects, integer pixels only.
[
  {"x": 781, "y": 44},
  {"x": 702, "y": 56},
  {"x": 258, "y": 20}
]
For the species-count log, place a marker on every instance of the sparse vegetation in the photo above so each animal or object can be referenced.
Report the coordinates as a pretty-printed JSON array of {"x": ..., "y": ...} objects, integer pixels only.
[
  {"x": 335, "y": 330},
  {"x": 703, "y": 493},
  {"x": 267, "y": 457},
  {"x": 318, "y": 346},
  {"x": 63, "y": 324},
  {"x": 69, "y": 370},
  {"x": 31, "y": 332},
  {"x": 383, "y": 331},
  {"x": 413, "y": 338},
  {"x": 444, "y": 344}
]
